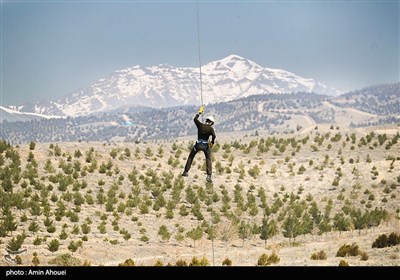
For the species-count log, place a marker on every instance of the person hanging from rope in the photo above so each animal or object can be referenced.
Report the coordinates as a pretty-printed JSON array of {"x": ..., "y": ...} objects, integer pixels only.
[{"x": 204, "y": 131}]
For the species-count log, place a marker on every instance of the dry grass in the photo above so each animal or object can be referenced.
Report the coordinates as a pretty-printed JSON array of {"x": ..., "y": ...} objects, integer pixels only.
[{"x": 355, "y": 185}]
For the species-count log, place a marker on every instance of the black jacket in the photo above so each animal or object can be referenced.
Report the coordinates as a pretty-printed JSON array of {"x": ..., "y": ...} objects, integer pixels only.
[{"x": 204, "y": 130}]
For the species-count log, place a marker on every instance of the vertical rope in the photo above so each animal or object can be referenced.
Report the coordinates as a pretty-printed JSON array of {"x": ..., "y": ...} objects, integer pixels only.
[
  {"x": 212, "y": 223},
  {"x": 198, "y": 43},
  {"x": 202, "y": 103}
]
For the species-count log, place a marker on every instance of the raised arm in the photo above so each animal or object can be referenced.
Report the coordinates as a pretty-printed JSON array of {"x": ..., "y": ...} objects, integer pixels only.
[{"x": 196, "y": 118}]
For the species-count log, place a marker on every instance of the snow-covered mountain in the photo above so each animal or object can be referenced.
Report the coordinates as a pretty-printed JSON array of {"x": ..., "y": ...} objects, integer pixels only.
[
  {"x": 12, "y": 115},
  {"x": 164, "y": 86}
]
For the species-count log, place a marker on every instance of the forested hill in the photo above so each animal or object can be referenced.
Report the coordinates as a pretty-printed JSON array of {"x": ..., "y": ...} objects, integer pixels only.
[
  {"x": 381, "y": 100},
  {"x": 274, "y": 113}
]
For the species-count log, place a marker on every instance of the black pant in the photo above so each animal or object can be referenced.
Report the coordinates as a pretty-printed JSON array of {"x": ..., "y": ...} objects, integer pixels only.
[{"x": 200, "y": 146}]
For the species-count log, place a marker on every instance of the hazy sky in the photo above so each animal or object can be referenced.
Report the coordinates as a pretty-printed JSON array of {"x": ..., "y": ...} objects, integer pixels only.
[{"x": 52, "y": 48}]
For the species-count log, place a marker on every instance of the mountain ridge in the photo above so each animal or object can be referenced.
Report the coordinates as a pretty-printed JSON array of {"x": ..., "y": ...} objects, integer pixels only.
[
  {"x": 166, "y": 86},
  {"x": 271, "y": 113}
]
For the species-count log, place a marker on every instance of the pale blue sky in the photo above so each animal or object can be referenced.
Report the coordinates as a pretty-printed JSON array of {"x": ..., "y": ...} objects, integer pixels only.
[{"x": 52, "y": 48}]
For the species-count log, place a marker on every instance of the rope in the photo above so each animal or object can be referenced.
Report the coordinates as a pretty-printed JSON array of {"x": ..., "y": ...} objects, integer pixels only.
[
  {"x": 198, "y": 43},
  {"x": 202, "y": 103},
  {"x": 212, "y": 223}
]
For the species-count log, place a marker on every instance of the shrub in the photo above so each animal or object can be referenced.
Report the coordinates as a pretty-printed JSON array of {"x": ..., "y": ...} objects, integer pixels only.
[
  {"x": 273, "y": 258},
  {"x": 63, "y": 235},
  {"x": 321, "y": 255},
  {"x": 348, "y": 250},
  {"x": 65, "y": 260},
  {"x": 164, "y": 233},
  {"x": 32, "y": 145},
  {"x": 195, "y": 262},
  {"x": 85, "y": 228},
  {"x": 73, "y": 246},
  {"x": 254, "y": 172},
  {"x": 113, "y": 241},
  {"x": 380, "y": 242},
  {"x": 127, "y": 262},
  {"x": 15, "y": 244},
  {"x": 264, "y": 259},
  {"x": 24, "y": 218},
  {"x": 354, "y": 250},
  {"x": 343, "y": 263},
  {"x": 51, "y": 229},
  {"x": 144, "y": 238},
  {"x": 53, "y": 246},
  {"x": 35, "y": 260},
  {"x": 181, "y": 263},
  {"x": 364, "y": 256},
  {"x": 37, "y": 241},
  {"x": 18, "y": 259},
  {"x": 227, "y": 262},
  {"x": 393, "y": 239},
  {"x": 204, "y": 261},
  {"x": 385, "y": 241}
]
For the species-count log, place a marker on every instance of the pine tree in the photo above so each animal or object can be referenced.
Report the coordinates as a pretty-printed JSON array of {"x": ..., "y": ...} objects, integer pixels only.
[
  {"x": 37, "y": 241},
  {"x": 341, "y": 223},
  {"x": 195, "y": 234},
  {"x": 63, "y": 235},
  {"x": 9, "y": 222},
  {"x": 35, "y": 260},
  {"x": 33, "y": 227},
  {"x": 3, "y": 231},
  {"x": 35, "y": 209},
  {"x": 53, "y": 245},
  {"x": 32, "y": 145},
  {"x": 191, "y": 196},
  {"x": 325, "y": 225},
  {"x": 244, "y": 231},
  {"x": 15, "y": 244},
  {"x": 358, "y": 219},
  {"x": 183, "y": 210},
  {"x": 306, "y": 224},
  {"x": 164, "y": 233},
  {"x": 85, "y": 228},
  {"x": 47, "y": 222},
  {"x": 291, "y": 227},
  {"x": 315, "y": 213},
  {"x": 73, "y": 246},
  {"x": 267, "y": 229},
  {"x": 179, "y": 237},
  {"x": 149, "y": 152}
]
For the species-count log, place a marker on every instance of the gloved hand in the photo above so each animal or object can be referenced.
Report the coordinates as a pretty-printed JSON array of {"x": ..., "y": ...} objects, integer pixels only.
[
  {"x": 210, "y": 145},
  {"x": 201, "y": 110}
]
